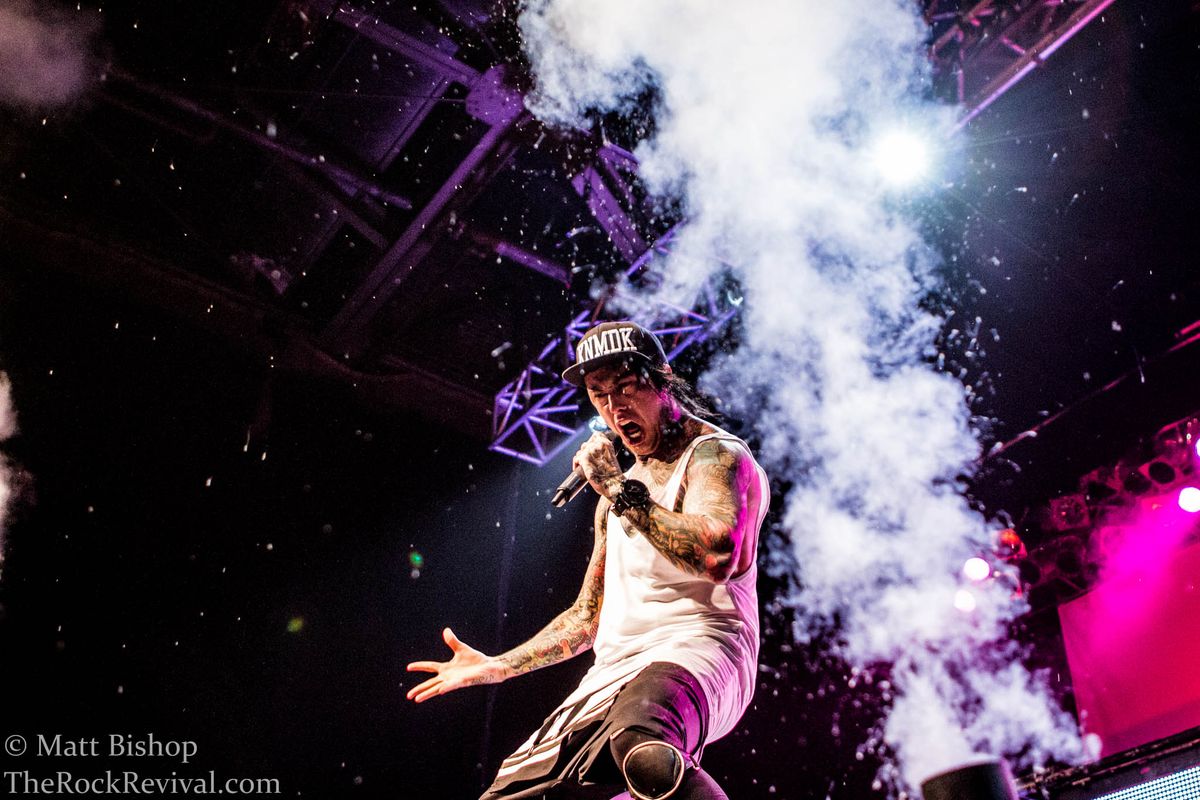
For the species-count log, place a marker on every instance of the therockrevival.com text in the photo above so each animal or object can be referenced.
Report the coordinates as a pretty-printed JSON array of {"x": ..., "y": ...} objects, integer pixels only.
[{"x": 117, "y": 745}]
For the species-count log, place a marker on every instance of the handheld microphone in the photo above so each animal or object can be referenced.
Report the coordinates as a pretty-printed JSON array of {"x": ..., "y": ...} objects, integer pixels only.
[{"x": 574, "y": 483}]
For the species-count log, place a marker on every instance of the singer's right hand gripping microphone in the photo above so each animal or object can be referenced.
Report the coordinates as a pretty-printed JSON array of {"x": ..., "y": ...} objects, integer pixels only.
[{"x": 573, "y": 485}]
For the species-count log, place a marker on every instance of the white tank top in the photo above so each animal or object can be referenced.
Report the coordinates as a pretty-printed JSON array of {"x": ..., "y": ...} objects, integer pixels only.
[{"x": 654, "y": 611}]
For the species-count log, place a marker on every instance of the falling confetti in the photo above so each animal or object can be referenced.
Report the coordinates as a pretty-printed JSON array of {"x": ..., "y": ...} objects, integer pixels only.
[{"x": 831, "y": 366}]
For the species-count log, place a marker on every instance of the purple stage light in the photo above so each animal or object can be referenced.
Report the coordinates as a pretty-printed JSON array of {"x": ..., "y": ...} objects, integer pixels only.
[{"x": 1189, "y": 499}]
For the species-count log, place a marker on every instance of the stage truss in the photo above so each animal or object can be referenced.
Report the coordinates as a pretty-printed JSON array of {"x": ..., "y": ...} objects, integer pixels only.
[
  {"x": 537, "y": 414},
  {"x": 979, "y": 52}
]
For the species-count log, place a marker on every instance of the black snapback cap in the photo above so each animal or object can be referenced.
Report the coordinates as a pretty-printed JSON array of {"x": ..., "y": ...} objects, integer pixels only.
[{"x": 609, "y": 342}]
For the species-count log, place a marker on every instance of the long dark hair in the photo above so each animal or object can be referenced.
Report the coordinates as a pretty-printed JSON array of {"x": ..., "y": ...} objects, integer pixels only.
[{"x": 690, "y": 399}]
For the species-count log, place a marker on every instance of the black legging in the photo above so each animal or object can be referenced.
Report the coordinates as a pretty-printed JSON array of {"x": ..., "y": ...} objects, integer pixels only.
[
  {"x": 664, "y": 703},
  {"x": 696, "y": 784}
]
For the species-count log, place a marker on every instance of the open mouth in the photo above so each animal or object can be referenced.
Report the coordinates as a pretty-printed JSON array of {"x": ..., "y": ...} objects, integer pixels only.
[{"x": 632, "y": 432}]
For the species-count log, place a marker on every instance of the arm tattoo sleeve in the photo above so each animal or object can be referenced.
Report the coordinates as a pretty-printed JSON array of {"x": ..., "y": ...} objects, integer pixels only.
[
  {"x": 573, "y": 631},
  {"x": 705, "y": 536}
]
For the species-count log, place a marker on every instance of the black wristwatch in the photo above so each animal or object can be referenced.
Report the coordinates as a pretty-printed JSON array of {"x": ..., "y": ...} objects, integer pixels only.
[{"x": 633, "y": 494}]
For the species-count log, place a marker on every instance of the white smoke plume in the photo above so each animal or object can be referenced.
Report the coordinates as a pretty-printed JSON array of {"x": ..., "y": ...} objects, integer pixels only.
[
  {"x": 766, "y": 112},
  {"x": 46, "y": 54}
]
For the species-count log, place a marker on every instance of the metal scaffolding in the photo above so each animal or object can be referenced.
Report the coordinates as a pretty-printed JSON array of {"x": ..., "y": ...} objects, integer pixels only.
[
  {"x": 982, "y": 52},
  {"x": 978, "y": 54},
  {"x": 537, "y": 414}
]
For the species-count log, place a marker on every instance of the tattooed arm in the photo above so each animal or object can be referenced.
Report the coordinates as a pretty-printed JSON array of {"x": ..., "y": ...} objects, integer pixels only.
[
  {"x": 569, "y": 634},
  {"x": 573, "y": 631},
  {"x": 707, "y": 537}
]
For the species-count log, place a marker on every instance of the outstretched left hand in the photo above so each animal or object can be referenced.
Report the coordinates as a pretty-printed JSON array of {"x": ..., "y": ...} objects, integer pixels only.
[{"x": 467, "y": 667}]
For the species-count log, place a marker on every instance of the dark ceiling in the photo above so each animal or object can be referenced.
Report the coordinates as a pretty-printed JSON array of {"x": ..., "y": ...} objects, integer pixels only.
[{"x": 356, "y": 193}]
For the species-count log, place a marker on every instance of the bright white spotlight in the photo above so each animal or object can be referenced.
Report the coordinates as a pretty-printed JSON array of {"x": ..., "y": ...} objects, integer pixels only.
[
  {"x": 977, "y": 569},
  {"x": 1189, "y": 499},
  {"x": 900, "y": 157},
  {"x": 964, "y": 601}
]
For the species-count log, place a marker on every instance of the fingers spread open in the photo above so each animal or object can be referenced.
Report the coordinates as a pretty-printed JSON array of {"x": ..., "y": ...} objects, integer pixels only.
[
  {"x": 423, "y": 691},
  {"x": 420, "y": 688},
  {"x": 425, "y": 666}
]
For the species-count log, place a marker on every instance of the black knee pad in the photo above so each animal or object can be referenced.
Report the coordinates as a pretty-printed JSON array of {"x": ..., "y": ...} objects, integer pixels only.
[{"x": 653, "y": 770}]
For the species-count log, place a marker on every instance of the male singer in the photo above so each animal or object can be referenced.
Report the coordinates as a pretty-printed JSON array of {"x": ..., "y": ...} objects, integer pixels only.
[{"x": 668, "y": 603}]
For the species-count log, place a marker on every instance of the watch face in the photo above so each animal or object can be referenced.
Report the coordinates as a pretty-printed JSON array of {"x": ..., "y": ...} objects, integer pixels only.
[{"x": 635, "y": 494}]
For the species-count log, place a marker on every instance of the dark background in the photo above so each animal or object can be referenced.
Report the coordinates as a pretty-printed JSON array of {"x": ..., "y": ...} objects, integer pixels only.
[{"x": 156, "y": 559}]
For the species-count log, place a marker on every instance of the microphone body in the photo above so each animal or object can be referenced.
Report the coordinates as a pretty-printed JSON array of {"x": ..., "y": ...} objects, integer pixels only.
[{"x": 574, "y": 483}]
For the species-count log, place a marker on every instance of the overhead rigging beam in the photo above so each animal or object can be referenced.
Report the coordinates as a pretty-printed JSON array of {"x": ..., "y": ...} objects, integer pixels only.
[
  {"x": 492, "y": 101},
  {"x": 316, "y": 162},
  {"x": 989, "y": 48},
  {"x": 523, "y": 256},
  {"x": 271, "y": 334},
  {"x": 397, "y": 40},
  {"x": 590, "y": 184}
]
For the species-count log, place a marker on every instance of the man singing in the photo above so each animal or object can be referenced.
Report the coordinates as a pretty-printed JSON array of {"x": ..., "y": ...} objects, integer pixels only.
[{"x": 668, "y": 603}]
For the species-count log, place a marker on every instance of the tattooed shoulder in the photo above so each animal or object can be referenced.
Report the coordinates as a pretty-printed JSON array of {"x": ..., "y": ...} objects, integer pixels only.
[
  {"x": 714, "y": 461},
  {"x": 717, "y": 451}
]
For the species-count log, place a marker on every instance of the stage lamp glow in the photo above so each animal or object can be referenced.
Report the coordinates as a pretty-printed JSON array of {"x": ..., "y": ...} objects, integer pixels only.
[
  {"x": 1189, "y": 499},
  {"x": 976, "y": 569},
  {"x": 964, "y": 601},
  {"x": 901, "y": 158}
]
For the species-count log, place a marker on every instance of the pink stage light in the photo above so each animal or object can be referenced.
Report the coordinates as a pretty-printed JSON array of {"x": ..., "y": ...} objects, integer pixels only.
[
  {"x": 1133, "y": 660},
  {"x": 1189, "y": 499},
  {"x": 977, "y": 569}
]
